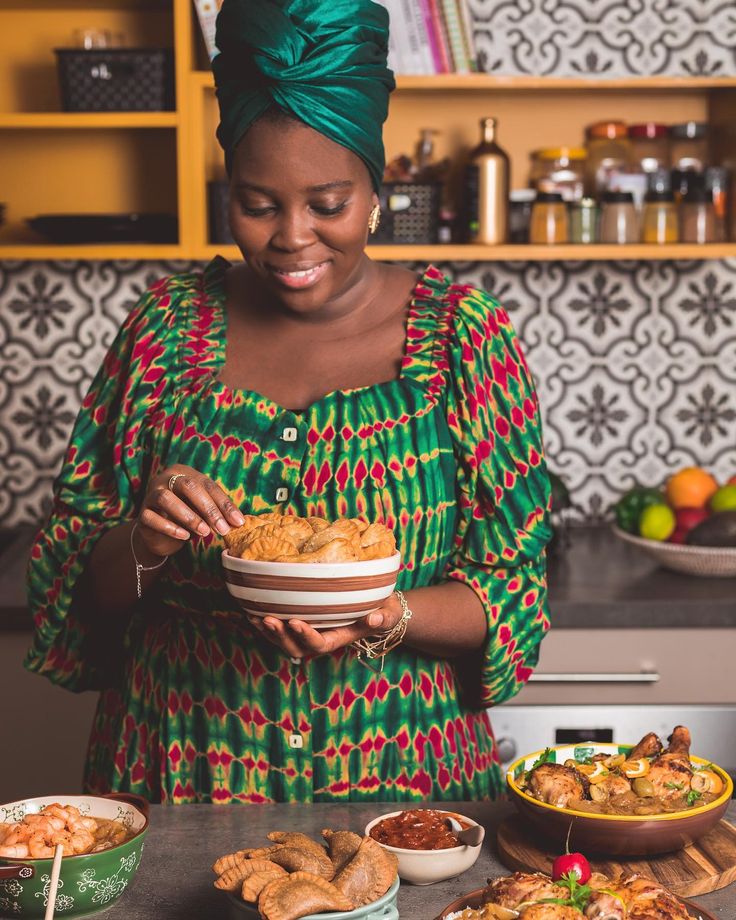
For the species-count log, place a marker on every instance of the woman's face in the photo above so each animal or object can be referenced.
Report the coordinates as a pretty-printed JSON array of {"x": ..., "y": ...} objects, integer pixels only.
[{"x": 299, "y": 209}]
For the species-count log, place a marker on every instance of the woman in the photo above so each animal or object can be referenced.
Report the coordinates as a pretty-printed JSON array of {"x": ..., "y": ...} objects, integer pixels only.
[{"x": 313, "y": 380}]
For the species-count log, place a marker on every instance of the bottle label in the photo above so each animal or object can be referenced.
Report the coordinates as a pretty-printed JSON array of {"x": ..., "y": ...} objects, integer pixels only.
[{"x": 472, "y": 193}]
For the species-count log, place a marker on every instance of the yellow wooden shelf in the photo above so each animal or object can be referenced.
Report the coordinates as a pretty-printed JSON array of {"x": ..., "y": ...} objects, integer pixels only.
[
  {"x": 509, "y": 253},
  {"x": 89, "y": 120},
  {"x": 91, "y": 252},
  {"x": 485, "y": 82}
]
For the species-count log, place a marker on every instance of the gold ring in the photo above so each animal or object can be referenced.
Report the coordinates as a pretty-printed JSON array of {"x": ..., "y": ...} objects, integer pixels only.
[{"x": 172, "y": 480}]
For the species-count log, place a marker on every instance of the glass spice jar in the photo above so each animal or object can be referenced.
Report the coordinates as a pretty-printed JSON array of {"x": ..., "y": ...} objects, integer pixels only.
[
  {"x": 697, "y": 217},
  {"x": 521, "y": 201},
  {"x": 609, "y": 151},
  {"x": 549, "y": 221},
  {"x": 660, "y": 221},
  {"x": 689, "y": 141},
  {"x": 561, "y": 169},
  {"x": 650, "y": 146},
  {"x": 716, "y": 183},
  {"x": 619, "y": 220},
  {"x": 584, "y": 215}
]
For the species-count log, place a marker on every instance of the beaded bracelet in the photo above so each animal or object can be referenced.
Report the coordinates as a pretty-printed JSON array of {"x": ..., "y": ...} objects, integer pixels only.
[
  {"x": 142, "y": 568},
  {"x": 386, "y": 642}
]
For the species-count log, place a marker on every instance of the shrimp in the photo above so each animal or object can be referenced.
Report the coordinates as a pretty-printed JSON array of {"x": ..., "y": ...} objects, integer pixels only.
[
  {"x": 39, "y": 847},
  {"x": 55, "y": 810},
  {"x": 90, "y": 824},
  {"x": 81, "y": 840},
  {"x": 14, "y": 851}
]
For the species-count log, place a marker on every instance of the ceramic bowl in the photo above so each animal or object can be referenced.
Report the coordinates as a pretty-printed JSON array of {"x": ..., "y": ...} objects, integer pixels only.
[
  {"x": 87, "y": 884},
  {"x": 615, "y": 835},
  {"x": 322, "y": 594},
  {"x": 475, "y": 898},
  {"x": 382, "y": 909},
  {"x": 425, "y": 867},
  {"x": 706, "y": 561}
]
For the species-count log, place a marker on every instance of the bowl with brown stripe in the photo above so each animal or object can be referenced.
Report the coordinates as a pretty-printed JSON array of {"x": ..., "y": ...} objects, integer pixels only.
[{"x": 323, "y": 594}]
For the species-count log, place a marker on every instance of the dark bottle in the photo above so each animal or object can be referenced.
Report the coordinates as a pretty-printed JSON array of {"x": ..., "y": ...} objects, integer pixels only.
[{"x": 487, "y": 189}]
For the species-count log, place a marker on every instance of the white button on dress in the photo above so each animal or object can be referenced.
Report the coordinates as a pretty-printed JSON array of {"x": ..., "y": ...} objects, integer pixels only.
[
  {"x": 296, "y": 741},
  {"x": 282, "y": 494},
  {"x": 289, "y": 434}
]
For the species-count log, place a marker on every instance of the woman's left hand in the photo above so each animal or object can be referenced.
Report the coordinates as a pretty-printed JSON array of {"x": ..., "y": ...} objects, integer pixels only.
[{"x": 300, "y": 640}]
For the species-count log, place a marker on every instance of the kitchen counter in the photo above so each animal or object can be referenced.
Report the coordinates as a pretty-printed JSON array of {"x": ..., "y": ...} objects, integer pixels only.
[
  {"x": 596, "y": 582},
  {"x": 174, "y": 880}
]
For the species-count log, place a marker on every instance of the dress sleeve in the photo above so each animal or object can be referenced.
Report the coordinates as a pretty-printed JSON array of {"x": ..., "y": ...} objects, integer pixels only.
[
  {"x": 503, "y": 491},
  {"x": 98, "y": 488}
]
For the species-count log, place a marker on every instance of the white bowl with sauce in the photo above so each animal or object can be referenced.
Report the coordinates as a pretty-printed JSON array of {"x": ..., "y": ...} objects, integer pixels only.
[
  {"x": 425, "y": 867},
  {"x": 89, "y": 882}
]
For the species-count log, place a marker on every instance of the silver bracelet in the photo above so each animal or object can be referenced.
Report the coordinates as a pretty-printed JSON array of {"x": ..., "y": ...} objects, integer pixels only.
[
  {"x": 142, "y": 568},
  {"x": 387, "y": 641}
]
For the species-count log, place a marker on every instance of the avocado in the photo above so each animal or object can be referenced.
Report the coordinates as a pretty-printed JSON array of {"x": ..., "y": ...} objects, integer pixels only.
[{"x": 717, "y": 530}]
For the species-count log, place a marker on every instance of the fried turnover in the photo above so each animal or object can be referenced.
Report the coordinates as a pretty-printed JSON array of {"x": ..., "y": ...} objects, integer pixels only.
[
  {"x": 228, "y": 861},
  {"x": 369, "y": 873},
  {"x": 298, "y": 840},
  {"x": 294, "y": 859},
  {"x": 231, "y": 879},
  {"x": 255, "y": 883},
  {"x": 273, "y": 537},
  {"x": 342, "y": 846},
  {"x": 299, "y": 894}
]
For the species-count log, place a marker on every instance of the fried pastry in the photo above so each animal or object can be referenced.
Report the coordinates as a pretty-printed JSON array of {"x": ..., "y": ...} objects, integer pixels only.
[
  {"x": 378, "y": 533},
  {"x": 341, "y": 846},
  {"x": 296, "y": 859},
  {"x": 299, "y": 895},
  {"x": 297, "y": 529},
  {"x": 318, "y": 523},
  {"x": 334, "y": 551},
  {"x": 368, "y": 875},
  {"x": 232, "y": 878},
  {"x": 231, "y": 859},
  {"x": 340, "y": 530},
  {"x": 255, "y": 883},
  {"x": 360, "y": 524},
  {"x": 268, "y": 547},
  {"x": 298, "y": 840},
  {"x": 381, "y": 550}
]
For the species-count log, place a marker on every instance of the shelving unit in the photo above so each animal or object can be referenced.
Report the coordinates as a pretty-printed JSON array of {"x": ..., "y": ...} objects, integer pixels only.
[{"x": 162, "y": 161}]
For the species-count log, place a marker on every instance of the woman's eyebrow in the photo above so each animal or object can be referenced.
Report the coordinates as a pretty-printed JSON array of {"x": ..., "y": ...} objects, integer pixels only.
[{"x": 322, "y": 187}]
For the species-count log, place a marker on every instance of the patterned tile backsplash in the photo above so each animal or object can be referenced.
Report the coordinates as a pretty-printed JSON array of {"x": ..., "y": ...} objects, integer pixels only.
[
  {"x": 635, "y": 364},
  {"x": 606, "y": 38}
]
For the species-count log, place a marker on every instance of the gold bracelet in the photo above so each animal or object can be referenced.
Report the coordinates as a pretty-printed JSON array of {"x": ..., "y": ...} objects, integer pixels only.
[{"x": 386, "y": 642}]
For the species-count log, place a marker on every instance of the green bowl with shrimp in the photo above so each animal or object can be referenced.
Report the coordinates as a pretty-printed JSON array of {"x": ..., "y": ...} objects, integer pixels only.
[{"x": 88, "y": 882}]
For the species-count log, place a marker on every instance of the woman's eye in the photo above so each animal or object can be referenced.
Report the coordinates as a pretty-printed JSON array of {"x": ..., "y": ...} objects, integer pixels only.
[
  {"x": 327, "y": 211},
  {"x": 257, "y": 212}
]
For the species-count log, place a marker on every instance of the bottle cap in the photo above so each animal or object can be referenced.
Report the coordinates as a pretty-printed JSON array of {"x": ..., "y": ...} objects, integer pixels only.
[
  {"x": 648, "y": 129},
  {"x": 549, "y": 197},
  {"x": 610, "y": 129},
  {"x": 689, "y": 130},
  {"x": 617, "y": 197},
  {"x": 562, "y": 153},
  {"x": 522, "y": 195}
]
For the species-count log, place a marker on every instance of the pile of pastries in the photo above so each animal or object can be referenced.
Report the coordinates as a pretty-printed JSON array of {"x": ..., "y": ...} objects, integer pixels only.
[
  {"x": 296, "y": 876},
  {"x": 274, "y": 537}
]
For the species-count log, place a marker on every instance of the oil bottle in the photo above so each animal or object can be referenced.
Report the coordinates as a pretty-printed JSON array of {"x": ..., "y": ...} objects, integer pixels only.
[{"x": 487, "y": 189}]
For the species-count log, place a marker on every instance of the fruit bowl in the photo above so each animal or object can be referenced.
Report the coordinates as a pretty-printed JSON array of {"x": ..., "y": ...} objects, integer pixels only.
[
  {"x": 615, "y": 835},
  {"x": 323, "y": 594},
  {"x": 706, "y": 561}
]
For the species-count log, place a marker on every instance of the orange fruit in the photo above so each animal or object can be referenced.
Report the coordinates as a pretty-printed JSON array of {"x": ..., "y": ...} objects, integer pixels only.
[
  {"x": 632, "y": 768},
  {"x": 707, "y": 781},
  {"x": 690, "y": 488}
]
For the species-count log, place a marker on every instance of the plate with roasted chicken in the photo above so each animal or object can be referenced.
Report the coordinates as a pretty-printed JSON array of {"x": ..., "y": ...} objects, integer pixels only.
[
  {"x": 621, "y": 800},
  {"x": 534, "y": 896}
]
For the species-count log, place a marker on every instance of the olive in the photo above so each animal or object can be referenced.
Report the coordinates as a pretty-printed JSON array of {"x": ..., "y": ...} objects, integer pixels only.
[
  {"x": 643, "y": 787},
  {"x": 598, "y": 794}
]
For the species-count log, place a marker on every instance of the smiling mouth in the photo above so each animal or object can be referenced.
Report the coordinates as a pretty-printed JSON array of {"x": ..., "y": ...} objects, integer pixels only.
[{"x": 302, "y": 277}]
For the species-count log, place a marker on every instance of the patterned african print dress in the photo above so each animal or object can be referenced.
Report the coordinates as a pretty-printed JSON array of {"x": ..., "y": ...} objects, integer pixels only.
[{"x": 194, "y": 707}]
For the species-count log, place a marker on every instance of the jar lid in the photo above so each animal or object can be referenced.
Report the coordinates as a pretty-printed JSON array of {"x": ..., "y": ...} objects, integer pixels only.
[
  {"x": 584, "y": 203},
  {"x": 562, "y": 153},
  {"x": 522, "y": 195},
  {"x": 659, "y": 195},
  {"x": 648, "y": 129},
  {"x": 618, "y": 197},
  {"x": 609, "y": 129},
  {"x": 689, "y": 130},
  {"x": 549, "y": 197}
]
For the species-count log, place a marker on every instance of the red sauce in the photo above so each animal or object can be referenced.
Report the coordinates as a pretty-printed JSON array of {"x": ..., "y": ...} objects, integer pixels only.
[{"x": 418, "y": 829}]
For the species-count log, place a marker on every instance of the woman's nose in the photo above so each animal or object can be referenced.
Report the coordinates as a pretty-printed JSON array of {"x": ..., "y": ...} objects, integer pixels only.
[{"x": 294, "y": 231}]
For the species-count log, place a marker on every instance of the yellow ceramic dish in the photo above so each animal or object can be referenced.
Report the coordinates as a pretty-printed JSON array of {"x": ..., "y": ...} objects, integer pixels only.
[{"x": 615, "y": 835}]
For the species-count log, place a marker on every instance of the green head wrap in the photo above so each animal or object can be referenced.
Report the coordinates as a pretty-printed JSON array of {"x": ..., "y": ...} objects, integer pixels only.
[{"x": 323, "y": 61}]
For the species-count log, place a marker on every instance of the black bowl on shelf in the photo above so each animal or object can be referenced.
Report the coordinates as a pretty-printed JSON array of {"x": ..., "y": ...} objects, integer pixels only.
[{"x": 106, "y": 228}]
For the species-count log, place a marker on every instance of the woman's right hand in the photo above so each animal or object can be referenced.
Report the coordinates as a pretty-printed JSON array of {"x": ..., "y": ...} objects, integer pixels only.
[{"x": 196, "y": 506}]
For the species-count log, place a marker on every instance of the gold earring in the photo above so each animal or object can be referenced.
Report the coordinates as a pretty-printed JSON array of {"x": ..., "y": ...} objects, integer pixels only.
[{"x": 374, "y": 218}]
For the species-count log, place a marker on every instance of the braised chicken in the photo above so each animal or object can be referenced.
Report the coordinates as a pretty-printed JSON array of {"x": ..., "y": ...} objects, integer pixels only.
[
  {"x": 631, "y": 897},
  {"x": 512, "y": 890},
  {"x": 649, "y": 746},
  {"x": 556, "y": 784},
  {"x": 671, "y": 773}
]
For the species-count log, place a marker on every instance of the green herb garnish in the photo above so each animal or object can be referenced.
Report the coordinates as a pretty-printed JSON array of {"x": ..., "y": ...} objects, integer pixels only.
[
  {"x": 547, "y": 756},
  {"x": 674, "y": 786},
  {"x": 578, "y": 895},
  {"x": 693, "y": 796}
]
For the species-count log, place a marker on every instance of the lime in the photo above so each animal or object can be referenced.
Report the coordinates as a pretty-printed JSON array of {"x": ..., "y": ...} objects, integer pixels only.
[
  {"x": 724, "y": 499},
  {"x": 657, "y": 522}
]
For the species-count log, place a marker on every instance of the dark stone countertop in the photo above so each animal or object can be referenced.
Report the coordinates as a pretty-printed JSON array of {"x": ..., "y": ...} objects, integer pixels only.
[
  {"x": 174, "y": 880},
  {"x": 596, "y": 582}
]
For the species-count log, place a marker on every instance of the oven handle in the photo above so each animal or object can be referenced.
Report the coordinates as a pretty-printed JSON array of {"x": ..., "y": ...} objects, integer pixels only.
[{"x": 645, "y": 677}]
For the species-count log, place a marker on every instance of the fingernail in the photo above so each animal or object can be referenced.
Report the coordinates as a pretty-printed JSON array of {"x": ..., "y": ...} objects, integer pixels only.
[
  {"x": 238, "y": 517},
  {"x": 375, "y": 619},
  {"x": 296, "y": 627},
  {"x": 271, "y": 626},
  {"x": 182, "y": 534},
  {"x": 203, "y": 529},
  {"x": 222, "y": 526}
]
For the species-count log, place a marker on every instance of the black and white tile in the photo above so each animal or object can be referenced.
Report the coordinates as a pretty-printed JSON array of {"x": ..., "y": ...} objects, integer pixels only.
[
  {"x": 603, "y": 39},
  {"x": 635, "y": 363}
]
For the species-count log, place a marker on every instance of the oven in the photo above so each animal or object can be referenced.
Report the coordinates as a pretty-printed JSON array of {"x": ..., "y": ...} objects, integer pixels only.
[{"x": 618, "y": 684}]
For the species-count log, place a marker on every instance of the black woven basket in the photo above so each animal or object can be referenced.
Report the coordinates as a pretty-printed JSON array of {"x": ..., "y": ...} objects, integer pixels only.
[
  {"x": 409, "y": 212},
  {"x": 116, "y": 79}
]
